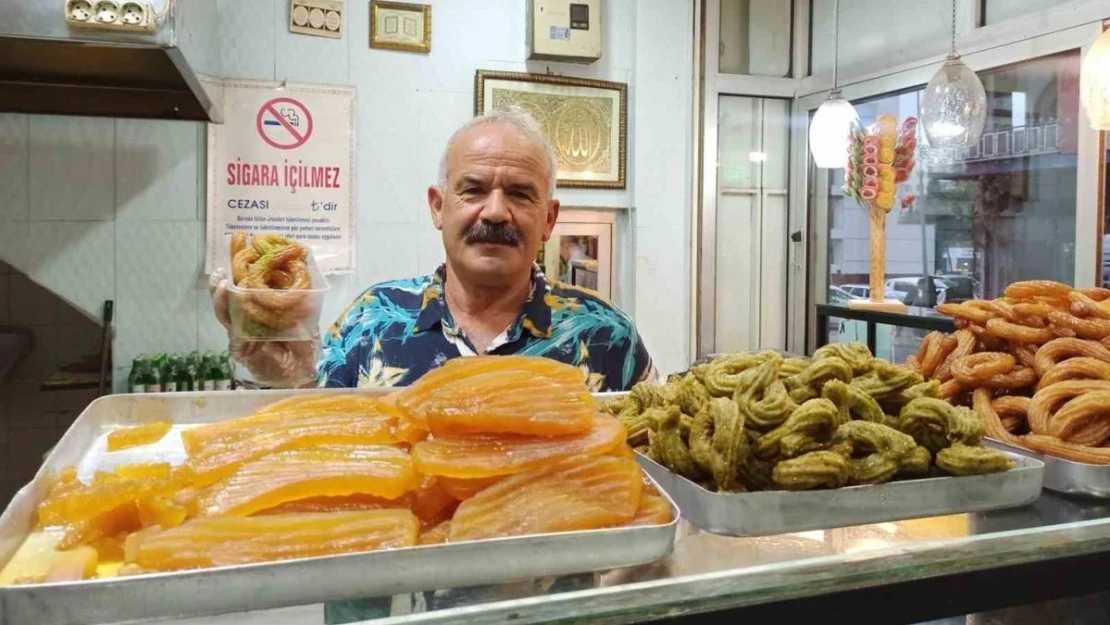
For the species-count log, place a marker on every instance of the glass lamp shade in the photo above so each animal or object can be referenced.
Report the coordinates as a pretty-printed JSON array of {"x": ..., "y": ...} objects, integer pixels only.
[
  {"x": 1094, "y": 83},
  {"x": 828, "y": 132},
  {"x": 954, "y": 106}
]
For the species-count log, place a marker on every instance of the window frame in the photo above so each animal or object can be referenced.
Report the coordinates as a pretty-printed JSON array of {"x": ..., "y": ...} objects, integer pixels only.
[{"x": 1090, "y": 158}]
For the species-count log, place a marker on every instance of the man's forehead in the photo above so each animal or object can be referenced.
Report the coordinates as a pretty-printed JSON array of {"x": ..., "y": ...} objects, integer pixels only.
[{"x": 495, "y": 144}]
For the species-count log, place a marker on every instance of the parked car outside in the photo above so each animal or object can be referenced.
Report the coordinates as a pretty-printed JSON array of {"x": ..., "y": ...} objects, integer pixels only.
[{"x": 862, "y": 291}]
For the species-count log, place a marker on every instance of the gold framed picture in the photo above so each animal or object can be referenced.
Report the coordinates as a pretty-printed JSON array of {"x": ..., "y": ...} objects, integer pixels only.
[
  {"x": 401, "y": 26},
  {"x": 585, "y": 121}
]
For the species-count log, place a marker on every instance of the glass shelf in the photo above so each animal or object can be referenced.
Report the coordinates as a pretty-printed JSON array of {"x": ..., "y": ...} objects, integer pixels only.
[{"x": 710, "y": 573}]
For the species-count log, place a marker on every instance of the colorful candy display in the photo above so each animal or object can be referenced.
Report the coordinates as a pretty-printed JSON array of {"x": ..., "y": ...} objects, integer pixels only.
[{"x": 880, "y": 159}]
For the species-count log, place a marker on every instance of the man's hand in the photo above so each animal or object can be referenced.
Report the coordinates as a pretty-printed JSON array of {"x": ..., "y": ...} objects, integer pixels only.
[{"x": 278, "y": 364}]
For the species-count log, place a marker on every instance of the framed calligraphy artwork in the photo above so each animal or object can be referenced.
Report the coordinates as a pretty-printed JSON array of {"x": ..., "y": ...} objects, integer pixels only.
[{"x": 585, "y": 121}]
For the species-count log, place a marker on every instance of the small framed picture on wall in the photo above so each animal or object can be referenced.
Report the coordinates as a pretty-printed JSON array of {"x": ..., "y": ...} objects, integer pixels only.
[
  {"x": 585, "y": 121},
  {"x": 401, "y": 26}
]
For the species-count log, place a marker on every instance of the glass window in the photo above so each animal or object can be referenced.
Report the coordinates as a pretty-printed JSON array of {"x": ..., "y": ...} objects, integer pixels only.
[
  {"x": 755, "y": 38},
  {"x": 998, "y": 212},
  {"x": 995, "y": 11}
]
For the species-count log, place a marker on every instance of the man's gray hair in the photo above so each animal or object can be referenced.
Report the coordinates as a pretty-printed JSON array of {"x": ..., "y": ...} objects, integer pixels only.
[{"x": 521, "y": 120}]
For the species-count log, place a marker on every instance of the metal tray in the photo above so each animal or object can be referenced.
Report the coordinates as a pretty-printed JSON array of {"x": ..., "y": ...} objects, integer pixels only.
[
  {"x": 1065, "y": 476},
  {"x": 291, "y": 582},
  {"x": 778, "y": 512}
]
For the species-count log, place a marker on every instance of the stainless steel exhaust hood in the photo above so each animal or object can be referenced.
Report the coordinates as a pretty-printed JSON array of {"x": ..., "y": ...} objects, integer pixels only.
[{"x": 52, "y": 62}]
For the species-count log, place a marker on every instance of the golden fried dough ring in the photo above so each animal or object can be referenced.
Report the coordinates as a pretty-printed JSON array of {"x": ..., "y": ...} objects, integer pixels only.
[
  {"x": 1094, "y": 329},
  {"x": 1081, "y": 368},
  {"x": 1013, "y": 411},
  {"x": 937, "y": 348},
  {"x": 1048, "y": 400},
  {"x": 912, "y": 364},
  {"x": 966, "y": 313},
  {"x": 241, "y": 264},
  {"x": 1096, "y": 293},
  {"x": 1084, "y": 306},
  {"x": 1030, "y": 309},
  {"x": 950, "y": 389},
  {"x": 1018, "y": 333},
  {"x": 1032, "y": 289},
  {"x": 1083, "y": 420},
  {"x": 992, "y": 424},
  {"x": 978, "y": 369},
  {"x": 238, "y": 243},
  {"x": 1019, "y": 378},
  {"x": 1069, "y": 451},
  {"x": 997, "y": 307},
  {"x": 1057, "y": 350},
  {"x": 1025, "y": 355}
]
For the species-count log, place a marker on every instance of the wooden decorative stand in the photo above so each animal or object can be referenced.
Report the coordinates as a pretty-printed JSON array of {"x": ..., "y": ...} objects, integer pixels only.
[{"x": 878, "y": 299}]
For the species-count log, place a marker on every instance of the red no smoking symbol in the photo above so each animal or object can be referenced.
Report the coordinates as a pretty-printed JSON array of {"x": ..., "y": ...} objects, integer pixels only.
[{"x": 284, "y": 123}]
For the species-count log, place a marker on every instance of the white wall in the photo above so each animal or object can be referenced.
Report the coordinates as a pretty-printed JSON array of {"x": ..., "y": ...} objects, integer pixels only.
[{"x": 99, "y": 209}]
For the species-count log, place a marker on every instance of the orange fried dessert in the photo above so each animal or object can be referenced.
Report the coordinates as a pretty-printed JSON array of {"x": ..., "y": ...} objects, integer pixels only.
[
  {"x": 220, "y": 457},
  {"x": 160, "y": 511},
  {"x": 501, "y": 395},
  {"x": 73, "y": 565},
  {"x": 489, "y": 455},
  {"x": 380, "y": 471},
  {"x": 207, "y": 542},
  {"x": 435, "y": 535},
  {"x": 294, "y": 410},
  {"x": 346, "y": 503},
  {"x": 431, "y": 503},
  {"x": 654, "y": 509},
  {"x": 70, "y": 500},
  {"x": 145, "y": 434},
  {"x": 580, "y": 493},
  {"x": 144, "y": 470},
  {"x": 464, "y": 488}
]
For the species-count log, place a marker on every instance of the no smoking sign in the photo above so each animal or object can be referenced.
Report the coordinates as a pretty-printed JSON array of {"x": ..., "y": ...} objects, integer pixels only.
[{"x": 284, "y": 123}]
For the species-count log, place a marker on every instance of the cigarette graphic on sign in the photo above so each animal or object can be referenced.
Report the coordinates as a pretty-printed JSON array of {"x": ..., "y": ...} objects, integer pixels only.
[{"x": 284, "y": 123}]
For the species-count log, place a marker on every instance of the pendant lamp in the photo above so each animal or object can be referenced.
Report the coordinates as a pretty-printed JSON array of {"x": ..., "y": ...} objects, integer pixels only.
[
  {"x": 834, "y": 119},
  {"x": 954, "y": 105},
  {"x": 1094, "y": 83}
]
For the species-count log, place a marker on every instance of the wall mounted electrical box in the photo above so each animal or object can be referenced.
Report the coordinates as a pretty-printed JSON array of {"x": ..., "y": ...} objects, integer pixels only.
[{"x": 564, "y": 30}]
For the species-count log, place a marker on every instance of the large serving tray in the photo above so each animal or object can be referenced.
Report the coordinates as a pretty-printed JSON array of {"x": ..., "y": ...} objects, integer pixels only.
[
  {"x": 778, "y": 512},
  {"x": 1065, "y": 476},
  {"x": 269, "y": 585}
]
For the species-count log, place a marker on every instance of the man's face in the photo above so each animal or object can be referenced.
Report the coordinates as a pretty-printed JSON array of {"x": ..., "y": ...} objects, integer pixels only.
[{"x": 494, "y": 211}]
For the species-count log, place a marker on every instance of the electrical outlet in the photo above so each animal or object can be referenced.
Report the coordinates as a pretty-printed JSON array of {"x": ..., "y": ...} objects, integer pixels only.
[
  {"x": 107, "y": 12},
  {"x": 133, "y": 16},
  {"x": 79, "y": 10}
]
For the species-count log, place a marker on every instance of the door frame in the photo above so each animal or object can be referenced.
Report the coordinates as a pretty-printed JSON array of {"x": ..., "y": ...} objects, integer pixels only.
[{"x": 714, "y": 85}]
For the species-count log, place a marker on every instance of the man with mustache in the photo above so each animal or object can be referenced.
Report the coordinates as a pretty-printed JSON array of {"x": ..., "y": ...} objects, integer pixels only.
[{"x": 494, "y": 203}]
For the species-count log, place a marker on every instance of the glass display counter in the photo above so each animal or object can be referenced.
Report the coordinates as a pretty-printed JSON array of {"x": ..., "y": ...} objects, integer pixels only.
[{"x": 908, "y": 571}]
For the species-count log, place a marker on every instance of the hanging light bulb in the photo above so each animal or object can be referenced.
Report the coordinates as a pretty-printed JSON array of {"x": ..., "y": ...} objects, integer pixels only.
[
  {"x": 828, "y": 133},
  {"x": 954, "y": 105},
  {"x": 1094, "y": 83},
  {"x": 834, "y": 119}
]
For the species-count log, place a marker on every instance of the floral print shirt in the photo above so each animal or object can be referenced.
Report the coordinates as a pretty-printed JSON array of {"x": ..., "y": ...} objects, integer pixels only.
[{"x": 396, "y": 331}]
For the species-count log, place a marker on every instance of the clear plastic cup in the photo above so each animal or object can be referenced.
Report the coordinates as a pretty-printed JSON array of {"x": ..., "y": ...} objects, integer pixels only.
[{"x": 277, "y": 315}]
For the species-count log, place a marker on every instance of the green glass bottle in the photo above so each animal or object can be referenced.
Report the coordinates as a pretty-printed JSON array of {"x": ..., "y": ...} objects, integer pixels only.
[
  {"x": 135, "y": 380},
  {"x": 195, "y": 361},
  {"x": 226, "y": 380},
  {"x": 168, "y": 373},
  {"x": 149, "y": 378},
  {"x": 184, "y": 374}
]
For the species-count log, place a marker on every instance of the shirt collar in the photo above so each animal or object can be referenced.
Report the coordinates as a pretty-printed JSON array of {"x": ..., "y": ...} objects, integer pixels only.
[{"x": 535, "y": 316}]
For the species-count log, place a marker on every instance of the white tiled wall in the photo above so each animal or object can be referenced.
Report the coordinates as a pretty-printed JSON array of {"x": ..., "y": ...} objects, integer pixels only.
[{"x": 100, "y": 209}]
